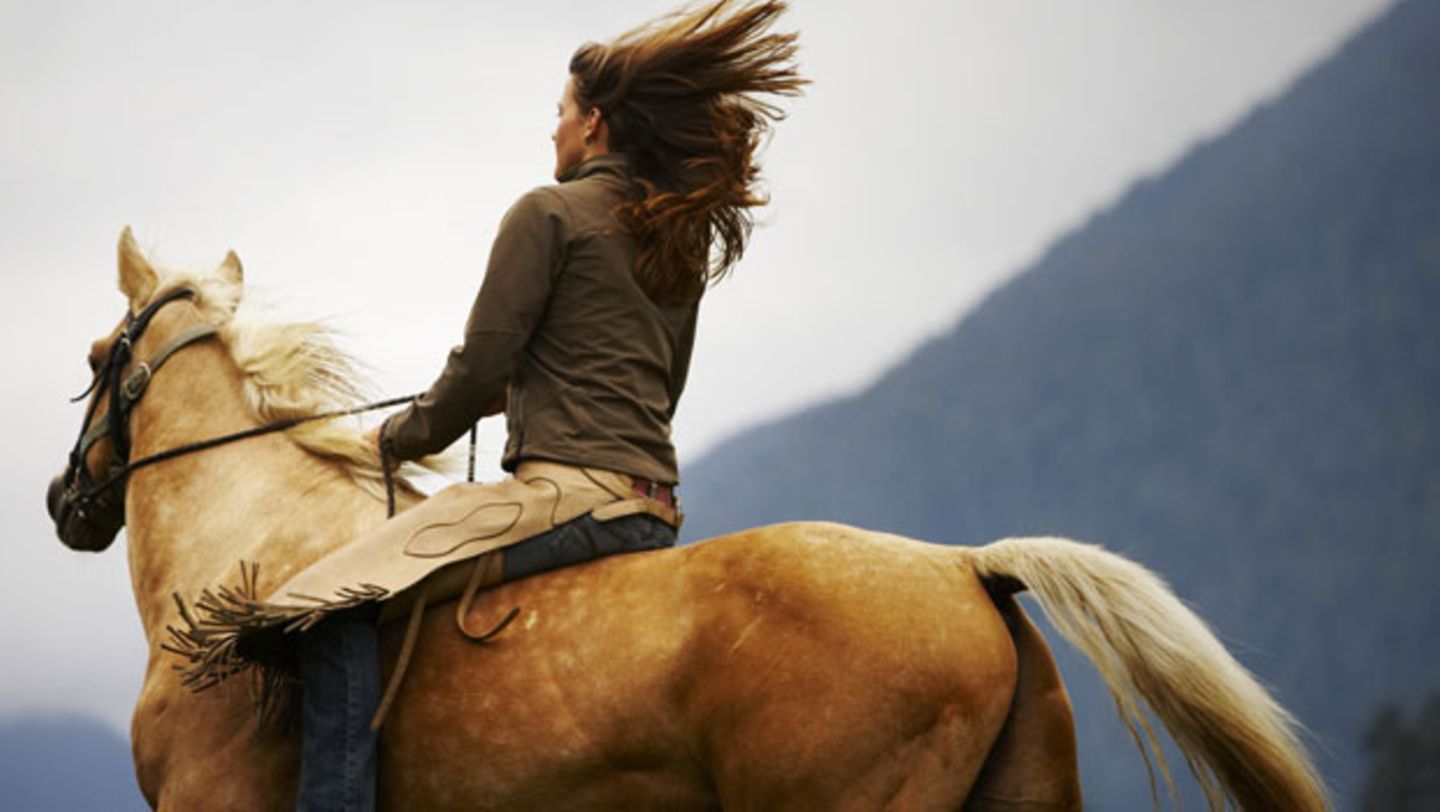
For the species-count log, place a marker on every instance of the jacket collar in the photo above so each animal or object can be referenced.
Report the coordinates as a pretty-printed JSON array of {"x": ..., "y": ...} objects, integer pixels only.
[{"x": 614, "y": 163}]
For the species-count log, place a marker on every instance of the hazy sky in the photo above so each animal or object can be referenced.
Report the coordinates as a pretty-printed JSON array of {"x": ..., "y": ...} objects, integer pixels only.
[{"x": 358, "y": 155}]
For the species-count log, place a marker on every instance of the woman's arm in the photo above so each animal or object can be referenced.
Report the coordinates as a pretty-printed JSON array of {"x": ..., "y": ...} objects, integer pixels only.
[{"x": 524, "y": 264}]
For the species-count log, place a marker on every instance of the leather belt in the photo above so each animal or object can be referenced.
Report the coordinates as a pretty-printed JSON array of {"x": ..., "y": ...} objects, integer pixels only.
[{"x": 650, "y": 489}]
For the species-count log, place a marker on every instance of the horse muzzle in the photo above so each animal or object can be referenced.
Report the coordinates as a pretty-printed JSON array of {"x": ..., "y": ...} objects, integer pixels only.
[{"x": 89, "y": 525}]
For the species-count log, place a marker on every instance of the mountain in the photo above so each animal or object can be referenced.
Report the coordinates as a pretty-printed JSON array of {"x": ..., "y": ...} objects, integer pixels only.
[
  {"x": 69, "y": 763},
  {"x": 1232, "y": 376}
]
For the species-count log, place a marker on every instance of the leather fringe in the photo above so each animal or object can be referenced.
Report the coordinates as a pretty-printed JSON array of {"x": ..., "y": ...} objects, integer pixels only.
[{"x": 229, "y": 632}]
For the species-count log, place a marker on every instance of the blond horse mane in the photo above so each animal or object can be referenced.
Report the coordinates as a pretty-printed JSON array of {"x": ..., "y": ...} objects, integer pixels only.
[{"x": 295, "y": 370}]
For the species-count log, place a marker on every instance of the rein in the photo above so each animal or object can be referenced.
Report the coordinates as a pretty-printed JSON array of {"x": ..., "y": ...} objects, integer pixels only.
[
  {"x": 126, "y": 391},
  {"x": 258, "y": 431}
]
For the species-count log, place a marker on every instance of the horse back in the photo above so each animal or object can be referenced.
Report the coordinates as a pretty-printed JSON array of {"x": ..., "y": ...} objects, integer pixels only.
[{"x": 786, "y": 662}]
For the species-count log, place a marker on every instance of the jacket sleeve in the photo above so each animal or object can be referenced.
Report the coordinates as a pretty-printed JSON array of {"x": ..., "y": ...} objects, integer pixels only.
[
  {"x": 525, "y": 261},
  {"x": 680, "y": 370}
]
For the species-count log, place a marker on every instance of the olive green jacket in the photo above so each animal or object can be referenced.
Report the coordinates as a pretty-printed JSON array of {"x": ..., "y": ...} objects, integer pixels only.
[{"x": 589, "y": 367}]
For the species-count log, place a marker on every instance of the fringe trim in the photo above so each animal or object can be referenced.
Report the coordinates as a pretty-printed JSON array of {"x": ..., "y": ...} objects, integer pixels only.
[{"x": 230, "y": 632}]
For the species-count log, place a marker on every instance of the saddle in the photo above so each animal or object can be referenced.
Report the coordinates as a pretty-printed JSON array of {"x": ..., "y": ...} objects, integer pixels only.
[
  {"x": 460, "y": 523},
  {"x": 446, "y": 546}
]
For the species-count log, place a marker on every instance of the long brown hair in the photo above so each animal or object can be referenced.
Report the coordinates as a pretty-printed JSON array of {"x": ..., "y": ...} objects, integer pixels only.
[{"x": 681, "y": 96}]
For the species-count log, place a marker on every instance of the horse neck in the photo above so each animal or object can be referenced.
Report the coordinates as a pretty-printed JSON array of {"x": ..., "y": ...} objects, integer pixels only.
[{"x": 191, "y": 520}]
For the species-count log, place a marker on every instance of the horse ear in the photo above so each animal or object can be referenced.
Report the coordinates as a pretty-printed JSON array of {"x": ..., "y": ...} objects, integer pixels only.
[
  {"x": 230, "y": 269},
  {"x": 137, "y": 278}
]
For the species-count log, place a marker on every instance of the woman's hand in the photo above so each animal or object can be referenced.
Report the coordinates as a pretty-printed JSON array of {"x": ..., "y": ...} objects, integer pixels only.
[{"x": 495, "y": 408}]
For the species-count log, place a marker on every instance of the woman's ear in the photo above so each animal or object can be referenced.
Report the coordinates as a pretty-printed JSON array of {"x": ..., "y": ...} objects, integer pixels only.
[{"x": 595, "y": 129}]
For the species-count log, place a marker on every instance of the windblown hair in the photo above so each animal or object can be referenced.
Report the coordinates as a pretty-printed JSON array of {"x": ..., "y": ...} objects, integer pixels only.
[{"x": 682, "y": 97}]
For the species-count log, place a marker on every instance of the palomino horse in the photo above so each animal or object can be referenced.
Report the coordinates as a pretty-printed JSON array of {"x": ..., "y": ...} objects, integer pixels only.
[{"x": 800, "y": 666}]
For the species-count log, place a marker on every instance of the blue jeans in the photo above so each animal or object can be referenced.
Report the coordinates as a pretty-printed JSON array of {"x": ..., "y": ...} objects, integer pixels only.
[
  {"x": 339, "y": 663},
  {"x": 339, "y": 666}
]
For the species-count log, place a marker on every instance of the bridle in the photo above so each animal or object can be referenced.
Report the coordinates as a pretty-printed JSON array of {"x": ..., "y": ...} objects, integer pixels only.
[
  {"x": 94, "y": 501},
  {"x": 83, "y": 495}
]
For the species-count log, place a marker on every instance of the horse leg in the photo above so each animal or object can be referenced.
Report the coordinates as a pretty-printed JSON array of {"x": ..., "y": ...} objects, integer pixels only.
[
  {"x": 1033, "y": 764},
  {"x": 935, "y": 770},
  {"x": 862, "y": 768},
  {"x": 856, "y": 700}
]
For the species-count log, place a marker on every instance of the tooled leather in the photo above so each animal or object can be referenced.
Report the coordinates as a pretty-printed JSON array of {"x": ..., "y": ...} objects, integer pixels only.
[
  {"x": 464, "y": 521},
  {"x": 485, "y": 521}
]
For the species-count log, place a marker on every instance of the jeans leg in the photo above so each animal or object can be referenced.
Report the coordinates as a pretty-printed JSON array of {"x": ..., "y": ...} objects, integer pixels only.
[
  {"x": 585, "y": 539},
  {"x": 339, "y": 662}
]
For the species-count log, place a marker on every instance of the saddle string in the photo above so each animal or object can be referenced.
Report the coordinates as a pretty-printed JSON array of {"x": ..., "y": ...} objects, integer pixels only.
[
  {"x": 402, "y": 662},
  {"x": 467, "y": 597},
  {"x": 417, "y": 609}
]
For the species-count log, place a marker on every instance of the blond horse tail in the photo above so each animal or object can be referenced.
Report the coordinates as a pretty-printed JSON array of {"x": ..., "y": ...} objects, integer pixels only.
[{"x": 1239, "y": 742}]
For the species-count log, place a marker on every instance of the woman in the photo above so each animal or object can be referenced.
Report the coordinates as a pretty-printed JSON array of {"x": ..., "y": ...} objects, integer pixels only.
[{"x": 582, "y": 330}]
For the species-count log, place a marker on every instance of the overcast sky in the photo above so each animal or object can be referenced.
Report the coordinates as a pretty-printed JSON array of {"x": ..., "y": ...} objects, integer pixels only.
[{"x": 358, "y": 156}]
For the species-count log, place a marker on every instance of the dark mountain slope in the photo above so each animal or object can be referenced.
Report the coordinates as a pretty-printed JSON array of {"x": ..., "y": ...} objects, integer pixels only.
[
  {"x": 67, "y": 763},
  {"x": 1232, "y": 375}
]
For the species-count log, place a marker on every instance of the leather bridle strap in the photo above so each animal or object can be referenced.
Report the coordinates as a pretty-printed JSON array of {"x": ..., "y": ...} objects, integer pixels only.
[
  {"x": 134, "y": 384},
  {"x": 127, "y": 392},
  {"x": 108, "y": 375}
]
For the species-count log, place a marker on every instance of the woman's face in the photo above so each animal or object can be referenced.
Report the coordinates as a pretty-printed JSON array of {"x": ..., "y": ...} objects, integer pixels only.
[{"x": 569, "y": 134}]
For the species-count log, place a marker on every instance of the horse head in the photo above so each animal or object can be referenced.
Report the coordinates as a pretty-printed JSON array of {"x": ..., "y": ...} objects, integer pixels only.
[{"x": 87, "y": 500}]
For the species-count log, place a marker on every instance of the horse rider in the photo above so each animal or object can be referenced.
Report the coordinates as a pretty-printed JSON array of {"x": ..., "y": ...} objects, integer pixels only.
[{"x": 581, "y": 332}]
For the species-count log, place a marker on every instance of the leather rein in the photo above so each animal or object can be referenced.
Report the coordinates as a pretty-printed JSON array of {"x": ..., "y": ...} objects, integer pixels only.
[{"x": 84, "y": 493}]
